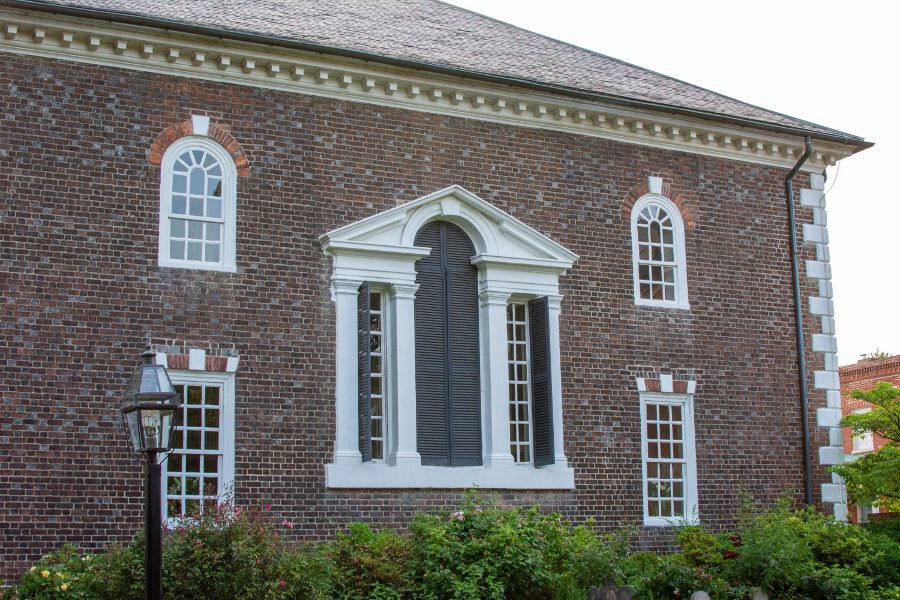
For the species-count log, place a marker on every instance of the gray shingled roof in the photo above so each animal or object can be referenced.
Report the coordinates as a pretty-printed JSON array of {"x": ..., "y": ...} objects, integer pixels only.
[{"x": 441, "y": 35}]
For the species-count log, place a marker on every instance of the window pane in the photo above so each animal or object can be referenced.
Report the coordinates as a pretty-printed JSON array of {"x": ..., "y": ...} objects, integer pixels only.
[
  {"x": 193, "y": 440},
  {"x": 211, "y": 440},
  {"x": 214, "y": 187},
  {"x": 179, "y": 205},
  {"x": 192, "y": 463},
  {"x": 211, "y": 418},
  {"x": 194, "y": 251},
  {"x": 214, "y": 208},
  {"x": 179, "y": 184},
  {"x": 212, "y": 253},
  {"x": 194, "y": 417},
  {"x": 196, "y": 206},
  {"x": 210, "y": 464},
  {"x": 197, "y": 179},
  {"x": 176, "y": 250},
  {"x": 177, "y": 228}
]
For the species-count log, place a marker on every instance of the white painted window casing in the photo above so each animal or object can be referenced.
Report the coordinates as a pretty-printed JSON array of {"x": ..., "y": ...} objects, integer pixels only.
[
  {"x": 864, "y": 442},
  {"x": 378, "y": 388},
  {"x": 658, "y": 256},
  {"x": 197, "y": 200},
  {"x": 520, "y": 433},
  {"x": 515, "y": 264},
  {"x": 199, "y": 472},
  {"x": 669, "y": 459}
]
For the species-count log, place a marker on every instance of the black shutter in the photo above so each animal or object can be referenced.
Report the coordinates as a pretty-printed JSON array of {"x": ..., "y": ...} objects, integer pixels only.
[
  {"x": 365, "y": 379},
  {"x": 541, "y": 383},
  {"x": 448, "y": 390},
  {"x": 432, "y": 401},
  {"x": 465, "y": 376}
]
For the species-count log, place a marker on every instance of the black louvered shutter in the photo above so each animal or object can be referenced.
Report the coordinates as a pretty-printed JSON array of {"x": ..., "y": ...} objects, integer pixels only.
[
  {"x": 465, "y": 376},
  {"x": 541, "y": 384},
  {"x": 448, "y": 390},
  {"x": 432, "y": 401},
  {"x": 365, "y": 379}
]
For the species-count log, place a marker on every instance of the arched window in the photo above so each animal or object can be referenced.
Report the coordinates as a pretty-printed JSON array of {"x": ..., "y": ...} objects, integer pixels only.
[
  {"x": 657, "y": 234},
  {"x": 197, "y": 206}
]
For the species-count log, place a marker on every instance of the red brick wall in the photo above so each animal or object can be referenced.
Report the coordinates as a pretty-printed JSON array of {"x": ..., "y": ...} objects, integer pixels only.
[
  {"x": 78, "y": 225},
  {"x": 863, "y": 376}
]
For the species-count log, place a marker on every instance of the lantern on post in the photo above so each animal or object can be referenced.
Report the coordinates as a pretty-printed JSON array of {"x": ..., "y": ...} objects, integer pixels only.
[{"x": 149, "y": 411}]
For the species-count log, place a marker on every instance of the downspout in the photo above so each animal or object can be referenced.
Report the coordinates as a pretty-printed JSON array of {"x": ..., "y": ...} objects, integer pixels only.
[{"x": 798, "y": 320}]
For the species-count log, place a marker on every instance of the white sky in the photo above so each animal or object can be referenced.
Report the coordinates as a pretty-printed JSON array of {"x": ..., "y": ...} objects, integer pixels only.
[{"x": 833, "y": 63}]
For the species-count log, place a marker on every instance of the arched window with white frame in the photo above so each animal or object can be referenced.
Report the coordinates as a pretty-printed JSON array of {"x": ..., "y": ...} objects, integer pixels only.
[
  {"x": 197, "y": 218},
  {"x": 657, "y": 234}
]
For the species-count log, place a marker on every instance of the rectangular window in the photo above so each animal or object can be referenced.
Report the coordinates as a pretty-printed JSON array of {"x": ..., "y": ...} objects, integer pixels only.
[
  {"x": 519, "y": 387},
  {"x": 863, "y": 442},
  {"x": 199, "y": 471},
  {"x": 376, "y": 372},
  {"x": 669, "y": 463}
]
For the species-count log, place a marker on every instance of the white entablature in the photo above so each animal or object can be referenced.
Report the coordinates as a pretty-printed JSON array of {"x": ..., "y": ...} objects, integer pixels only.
[{"x": 512, "y": 255}]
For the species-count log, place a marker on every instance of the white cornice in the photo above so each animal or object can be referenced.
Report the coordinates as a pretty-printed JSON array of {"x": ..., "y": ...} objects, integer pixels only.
[{"x": 227, "y": 61}]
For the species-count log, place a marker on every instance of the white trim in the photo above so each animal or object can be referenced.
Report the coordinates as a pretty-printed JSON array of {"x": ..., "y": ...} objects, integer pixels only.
[
  {"x": 372, "y": 475},
  {"x": 512, "y": 259},
  {"x": 227, "y": 61},
  {"x": 227, "y": 258},
  {"x": 681, "y": 288},
  {"x": 691, "y": 510},
  {"x": 226, "y": 429},
  {"x": 862, "y": 444}
]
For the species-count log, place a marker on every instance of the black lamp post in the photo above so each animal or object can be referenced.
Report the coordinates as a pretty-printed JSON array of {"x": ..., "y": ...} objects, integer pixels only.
[{"x": 149, "y": 409}]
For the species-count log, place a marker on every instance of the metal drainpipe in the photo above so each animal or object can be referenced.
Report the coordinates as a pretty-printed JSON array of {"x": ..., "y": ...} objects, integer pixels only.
[{"x": 798, "y": 318}]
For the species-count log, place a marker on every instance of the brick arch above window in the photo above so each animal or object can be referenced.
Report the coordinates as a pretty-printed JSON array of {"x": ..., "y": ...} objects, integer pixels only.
[
  {"x": 655, "y": 185},
  {"x": 198, "y": 125}
]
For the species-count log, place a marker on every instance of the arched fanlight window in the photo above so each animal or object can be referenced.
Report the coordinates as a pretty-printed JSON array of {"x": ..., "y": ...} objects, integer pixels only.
[
  {"x": 658, "y": 253},
  {"x": 197, "y": 206}
]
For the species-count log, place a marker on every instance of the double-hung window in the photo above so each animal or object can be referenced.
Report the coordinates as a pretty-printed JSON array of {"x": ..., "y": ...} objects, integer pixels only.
[
  {"x": 199, "y": 472},
  {"x": 197, "y": 206},
  {"x": 669, "y": 461},
  {"x": 863, "y": 442},
  {"x": 657, "y": 232}
]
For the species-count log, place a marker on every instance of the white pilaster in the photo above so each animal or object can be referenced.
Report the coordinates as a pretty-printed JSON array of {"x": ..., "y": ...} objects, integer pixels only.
[
  {"x": 559, "y": 450},
  {"x": 495, "y": 380},
  {"x": 404, "y": 450},
  {"x": 345, "y": 293}
]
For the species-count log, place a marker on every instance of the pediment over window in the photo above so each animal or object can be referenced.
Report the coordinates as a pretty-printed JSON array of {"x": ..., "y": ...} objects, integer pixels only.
[{"x": 499, "y": 238}]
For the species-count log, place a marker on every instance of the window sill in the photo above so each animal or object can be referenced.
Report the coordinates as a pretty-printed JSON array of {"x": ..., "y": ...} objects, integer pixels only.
[
  {"x": 670, "y": 521},
  {"x": 198, "y": 266},
  {"x": 512, "y": 477},
  {"x": 662, "y": 304}
]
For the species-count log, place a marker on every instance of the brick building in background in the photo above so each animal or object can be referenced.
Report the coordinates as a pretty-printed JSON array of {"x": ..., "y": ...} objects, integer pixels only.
[
  {"x": 863, "y": 376},
  {"x": 390, "y": 250}
]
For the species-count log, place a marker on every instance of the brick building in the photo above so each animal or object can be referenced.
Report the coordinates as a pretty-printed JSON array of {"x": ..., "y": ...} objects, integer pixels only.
[
  {"x": 390, "y": 250},
  {"x": 863, "y": 375}
]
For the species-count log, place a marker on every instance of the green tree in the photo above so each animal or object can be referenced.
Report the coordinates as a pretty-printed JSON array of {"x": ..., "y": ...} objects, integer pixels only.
[{"x": 875, "y": 477}]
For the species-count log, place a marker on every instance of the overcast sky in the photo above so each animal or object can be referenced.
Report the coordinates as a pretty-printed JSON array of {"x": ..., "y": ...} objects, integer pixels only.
[{"x": 833, "y": 63}]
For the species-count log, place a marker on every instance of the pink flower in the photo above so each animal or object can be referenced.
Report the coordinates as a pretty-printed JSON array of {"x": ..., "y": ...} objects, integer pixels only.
[
  {"x": 458, "y": 516},
  {"x": 287, "y": 524},
  {"x": 282, "y": 582},
  {"x": 197, "y": 543},
  {"x": 268, "y": 506}
]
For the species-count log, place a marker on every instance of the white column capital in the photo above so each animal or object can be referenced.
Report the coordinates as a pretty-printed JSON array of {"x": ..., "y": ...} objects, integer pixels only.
[
  {"x": 554, "y": 301},
  {"x": 345, "y": 286},
  {"x": 494, "y": 297},
  {"x": 404, "y": 291}
]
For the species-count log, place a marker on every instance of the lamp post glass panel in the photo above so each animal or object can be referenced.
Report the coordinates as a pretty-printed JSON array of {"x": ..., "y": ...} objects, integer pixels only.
[{"x": 149, "y": 409}]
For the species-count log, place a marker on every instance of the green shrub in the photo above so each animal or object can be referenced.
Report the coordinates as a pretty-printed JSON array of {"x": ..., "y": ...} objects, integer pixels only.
[
  {"x": 369, "y": 564},
  {"x": 485, "y": 552},
  {"x": 888, "y": 527}
]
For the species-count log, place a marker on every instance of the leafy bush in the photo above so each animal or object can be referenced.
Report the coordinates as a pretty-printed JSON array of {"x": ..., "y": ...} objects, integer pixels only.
[
  {"x": 485, "y": 551},
  {"x": 369, "y": 564}
]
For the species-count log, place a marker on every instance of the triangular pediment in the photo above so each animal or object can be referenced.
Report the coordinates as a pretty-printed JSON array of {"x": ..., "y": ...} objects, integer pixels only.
[{"x": 496, "y": 235}]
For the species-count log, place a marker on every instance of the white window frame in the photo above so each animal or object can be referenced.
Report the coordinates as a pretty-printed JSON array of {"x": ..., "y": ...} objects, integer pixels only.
[
  {"x": 514, "y": 263},
  {"x": 681, "y": 290},
  {"x": 691, "y": 511},
  {"x": 227, "y": 257},
  {"x": 226, "y": 431},
  {"x": 513, "y": 302},
  {"x": 388, "y": 390},
  {"x": 862, "y": 444}
]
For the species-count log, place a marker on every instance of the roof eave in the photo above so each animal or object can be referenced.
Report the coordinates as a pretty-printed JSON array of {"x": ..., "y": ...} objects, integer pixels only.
[{"x": 855, "y": 142}]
